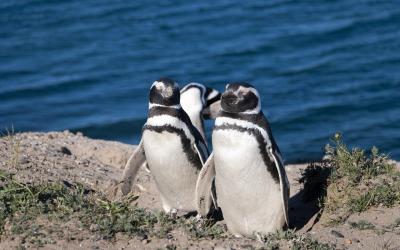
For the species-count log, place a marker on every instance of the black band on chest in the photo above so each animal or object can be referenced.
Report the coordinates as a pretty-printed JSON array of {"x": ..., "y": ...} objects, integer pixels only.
[
  {"x": 270, "y": 163},
  {"x": 188, "y": 149}
]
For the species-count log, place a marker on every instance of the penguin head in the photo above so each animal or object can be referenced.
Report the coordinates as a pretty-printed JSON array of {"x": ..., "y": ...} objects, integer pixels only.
[
  {"x": 164, "y": 92},
  {"x": 211, "y": 96},
  {"x": 241, "y": 98},
  {"x": 213, "y": 103},
  {"x": 197, "y": 98},
  {"x": 193, "y": 96}
]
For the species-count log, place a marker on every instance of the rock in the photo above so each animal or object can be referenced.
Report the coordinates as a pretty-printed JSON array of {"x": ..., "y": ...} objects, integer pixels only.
[
  {"x": 221, "y": 248},
  {"x": 337, "y": 234},
  {"x": 348, "y": 241},
  {"x": 65, "y": 151},
  {"x": 23, "y": 159},
  {"x": 94, "y": 227},
  {"x": 7, "y": 225},
  {"x": 142, "y": 236}
]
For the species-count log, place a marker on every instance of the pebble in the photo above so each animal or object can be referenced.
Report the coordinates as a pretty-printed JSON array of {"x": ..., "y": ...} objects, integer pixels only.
[
  {"x": 7, "y": 225},
  {"x": 94, "y": 227},
  {"x": 348, "y": 241},
  {"x": 23, "y": 159}
]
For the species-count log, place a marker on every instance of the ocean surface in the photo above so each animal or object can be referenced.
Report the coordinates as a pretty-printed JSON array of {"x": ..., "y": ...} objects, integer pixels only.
[{"x": 320, "y": 66}]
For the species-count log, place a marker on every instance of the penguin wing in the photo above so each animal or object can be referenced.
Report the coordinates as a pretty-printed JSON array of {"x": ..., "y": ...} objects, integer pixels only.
[
  {"x": 202, "y": 151},
  {"x": 131, "y": 168},
  {"x": 204, "y": 186},
  {"x": 284, "y": 183}
]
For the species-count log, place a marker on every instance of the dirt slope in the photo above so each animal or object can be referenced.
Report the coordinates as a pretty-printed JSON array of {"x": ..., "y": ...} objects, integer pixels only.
[{"x": 64, "y": 156}]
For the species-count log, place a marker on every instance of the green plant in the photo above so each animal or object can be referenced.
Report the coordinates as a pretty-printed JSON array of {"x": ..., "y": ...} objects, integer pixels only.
[
  {"x": 352, "y": 181},
  {"x": 362, "y": 225},
  {"x": 21, "y": 204},
  {"x": 295, "y": 241}
]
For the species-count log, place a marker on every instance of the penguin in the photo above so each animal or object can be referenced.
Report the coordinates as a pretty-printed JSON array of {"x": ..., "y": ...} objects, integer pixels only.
[
  {"x": 251, "y": 184},
  {"x": 196, "y": 100},
  {"x": 199, "y": 102},
  {"x": 174, "y": 150}
]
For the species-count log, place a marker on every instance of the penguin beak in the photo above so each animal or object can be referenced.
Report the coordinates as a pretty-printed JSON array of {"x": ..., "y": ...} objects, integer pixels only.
[{"x": 229, "y": 100}]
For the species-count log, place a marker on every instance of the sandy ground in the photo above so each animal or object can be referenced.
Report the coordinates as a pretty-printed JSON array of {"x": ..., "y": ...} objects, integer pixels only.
[{"x": 64, "y": 156}]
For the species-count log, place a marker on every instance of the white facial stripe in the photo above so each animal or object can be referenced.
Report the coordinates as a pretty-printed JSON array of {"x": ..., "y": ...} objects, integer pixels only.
[
  {"x": 166, "y": 91},
  {"x": 245, "y": 90},
  {"x": 161, "y": 84},
  {"x": 241, "y": 89},
  {"x": 256, "y": 110},
  {"x": 151, "y": 105},
  {"x": 162, "y": 120},
  {"x": 212, "y": 94},
  {"x": 157, "y": 83}
]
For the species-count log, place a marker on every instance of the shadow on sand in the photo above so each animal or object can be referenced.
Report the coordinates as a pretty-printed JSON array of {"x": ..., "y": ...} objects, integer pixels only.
[
  {"x": 304, "y": 211},
  {"x": 302, "y": 214}
]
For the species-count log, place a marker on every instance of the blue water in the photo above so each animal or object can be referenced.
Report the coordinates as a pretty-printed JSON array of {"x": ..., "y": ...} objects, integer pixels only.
[{"x": 320, "y": 66}]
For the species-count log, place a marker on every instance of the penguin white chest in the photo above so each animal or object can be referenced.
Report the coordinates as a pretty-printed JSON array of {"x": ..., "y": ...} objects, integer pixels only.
[
  {"x": 174, "y": 175},
  {"x": 249, "y": 197}
]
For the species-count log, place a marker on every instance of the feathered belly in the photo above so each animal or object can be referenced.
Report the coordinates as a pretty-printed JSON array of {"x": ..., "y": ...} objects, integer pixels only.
[
  {"x": 174, "y": 175},
  {"x": 250, "y": 199}
]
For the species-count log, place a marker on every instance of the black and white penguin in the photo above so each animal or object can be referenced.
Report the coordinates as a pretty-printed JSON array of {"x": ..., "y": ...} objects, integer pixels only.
[
  {"x": 250, "y": 180},
  {"x": 196, "y": 100},
  {"x": 173, "y": 148}
]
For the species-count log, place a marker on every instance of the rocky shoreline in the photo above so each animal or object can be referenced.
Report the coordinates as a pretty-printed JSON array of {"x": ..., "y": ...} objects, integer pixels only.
[{"x": 74, "y": 158}]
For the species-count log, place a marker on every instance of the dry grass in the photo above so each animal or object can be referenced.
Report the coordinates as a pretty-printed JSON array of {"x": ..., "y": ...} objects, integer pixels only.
[
  {"x": 22, "y": 204},
  {"x": 352, "y": 181},
  {"x": 293, "y": 240},
  {"x": 37, "y": 212}
]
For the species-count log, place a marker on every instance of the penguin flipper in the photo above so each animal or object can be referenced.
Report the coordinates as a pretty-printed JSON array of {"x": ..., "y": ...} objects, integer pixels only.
[
  {"x": 284, "y": 182},
  {"x": 131, "y": 169},
  {"x": 204, "y": 195},
  {"x": 202, "y": 151}
]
